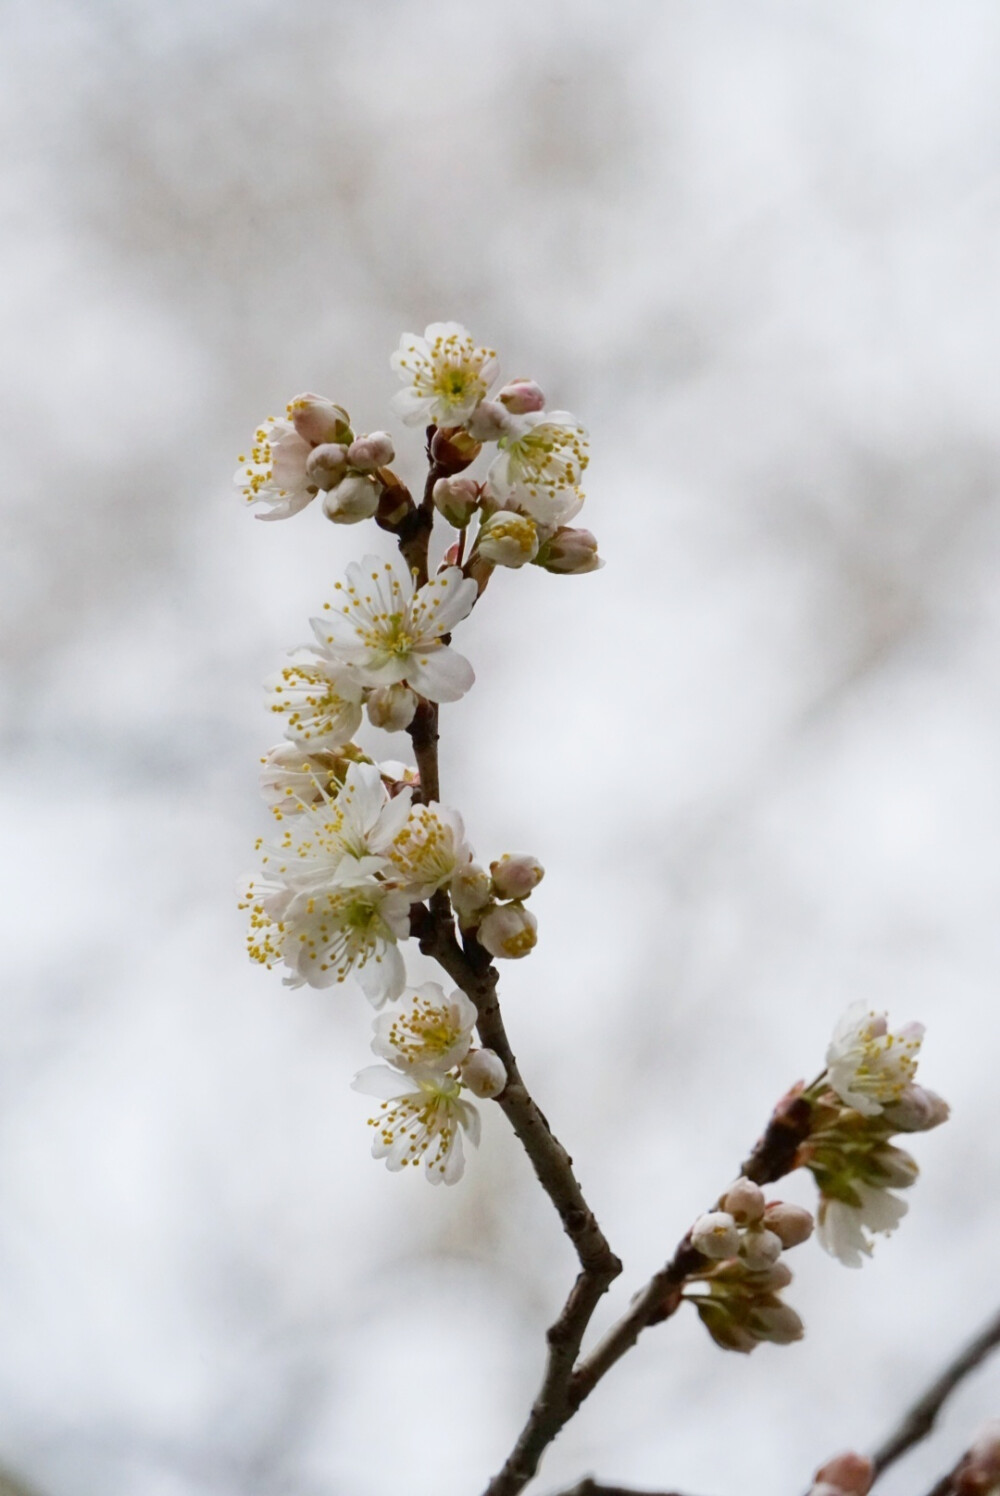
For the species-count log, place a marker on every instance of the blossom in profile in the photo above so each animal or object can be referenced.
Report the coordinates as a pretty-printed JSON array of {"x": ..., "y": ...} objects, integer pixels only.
[
  {"x": 390, "y": 631},
  {"x": 845, "y": 1229},
  {"x": 868, "y": 1066},
  {"x": 539, "y": 466},
  {"x": 428, "y": 1031},
  {"x": 444, "y": 374},
  {"x": 421, "y": 1121},
  {"x": 319, "y": 700}
]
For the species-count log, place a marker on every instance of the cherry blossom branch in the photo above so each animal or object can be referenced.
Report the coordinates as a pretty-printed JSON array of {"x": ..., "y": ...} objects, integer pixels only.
[
  {"x": 772, "y": 1158},
  {"x": 919, "y": 1420}
]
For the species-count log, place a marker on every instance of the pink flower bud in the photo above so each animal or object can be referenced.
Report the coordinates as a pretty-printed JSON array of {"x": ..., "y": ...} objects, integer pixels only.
[
  {"x": 791, "y": 1223},
  {"x": 318, "y": 420},
  {"x": 471, "y": 892},
  {"x": 354, "y": 499},
  {"x": 326, "y": 465},
  {"x": 392, "y": 707},
  {"x": 509, "y": 931},
  {"x": 570, "y": 553},
  {"x": 489, "y": 421},
  {"x": 759, "y": 1249},
  {"x": 715, "y": 1235},
  {"x": 367, "y": 453},
  {"x": 484, "y": 1073},
  {"x": 917, "y": 1110},
  {"x": 514, "y": 876},
  {"x": 521, "y": 396},
  {"x": 508, "y": 539},
  {"x": 745, "y": 1202},
  {"x": 457, "y": 499},
  {"x": 773, "y": 1279},
  {"x": 850, "y": 1474}
]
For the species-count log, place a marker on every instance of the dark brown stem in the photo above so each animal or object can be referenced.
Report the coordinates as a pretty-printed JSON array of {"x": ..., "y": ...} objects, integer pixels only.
[{"x": 917, "y": 1423}]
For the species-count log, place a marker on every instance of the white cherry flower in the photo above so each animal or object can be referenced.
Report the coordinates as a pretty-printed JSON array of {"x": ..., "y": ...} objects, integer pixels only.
[
  {"x": 388, "y": 631},
  {"x": 843, "y": 1229},
  {"x": 346, "y": 835},
  {"x": 319, "y": 700},
  {"x": 428, "y": 849},
  {"x": 421, "y": 1121},
  {"x": 444, "y": 373},
  {"x": 869, "y": 1067},
  {"x": 539, "y": 466},
  {"x": 323, "y": 935},
  {"x": 274, "y": 470},
  {"x": 428, "y": 1032}
]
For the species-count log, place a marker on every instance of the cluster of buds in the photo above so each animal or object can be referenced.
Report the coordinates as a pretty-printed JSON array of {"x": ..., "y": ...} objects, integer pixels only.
[
  {"x": 845, "y": 1475},
  {"x": 866, "y": 1095},
  {"x": 492, "y": 904},
  {"x": 978, "y": 1474},
  {"x": 313, "y": 450},
  {"x": 738, "y": 1295}
]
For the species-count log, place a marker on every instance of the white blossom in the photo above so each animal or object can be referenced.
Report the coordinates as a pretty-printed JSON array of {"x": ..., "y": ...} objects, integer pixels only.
[
  {"x": 509, "y": 931},
  {"x": 347, "y": 835},
  {"x": 868, "y": 1066},
  {"x": 390, "y": 632},
  {"x": 421, "y": 1120},
  {"x": 539, "y": 466},
  {"x": 445, "y": 375},
  {"x": 348, "y": 925},
  {"x": 428, "y": 1031},
  {"x": 484, "y": 1072},
  {"x": 843, "y": 1229},
  {"x": 274, "y": 470},
  {"x": 293, "y": 779},
  {"x": 507, "y": 538},
  {"x": 428, "y": 849},
  {"x": 319, "y": 699}
]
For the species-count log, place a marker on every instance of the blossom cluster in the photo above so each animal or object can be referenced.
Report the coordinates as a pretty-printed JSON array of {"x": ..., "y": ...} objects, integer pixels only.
[
  {"x": 738, "y": 1295},
  {"x": 361, "y": 847},
  {"x": 866, "y": 1096},
  {"x": 427, "y": 1042}
]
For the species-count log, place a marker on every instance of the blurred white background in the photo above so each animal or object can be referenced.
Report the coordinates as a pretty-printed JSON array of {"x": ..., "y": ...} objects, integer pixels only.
[{"x": 754, "y": 244}]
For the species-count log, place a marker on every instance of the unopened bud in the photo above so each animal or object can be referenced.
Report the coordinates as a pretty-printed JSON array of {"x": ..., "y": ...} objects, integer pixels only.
[
  {"x": 326, "y": 465},
  {"x": 489, "y": 421},
  {"x": 484, "y": 1073},
  {"x": 759, "y": 1249},
  {"x": 715, "y": 1234},
  {"x": 793, "y": 1224},
  {"x": 890, "y": 1168},
  {"x": 776, "y": 1322},
  {"x": 917, "y": 1110},
  {"x": 392, "y": 707},
  {"x": 515, "y": 875},
  {"x": 774, "y": 1278},
  {"x": 318, "y": 420},
  {"x": 471, "y": 891},
  {"x": 521, "y": 396},
  {"x": 745, "y": 1202},
  {"x": 851, "y": 1474},
  {"x": 369, "y": 452},
  {"x": 354, "y": 499},
  {"x": 570, "y": 552},
  {"x": 509, "y": 931},
  {"x": 723, "y": 1328},
  {"x": 979, "y": 1473},
  {"x": 457, "y": 499},
  {"x": 452, "y": 449},
  {"x": 508, "y": 539}
]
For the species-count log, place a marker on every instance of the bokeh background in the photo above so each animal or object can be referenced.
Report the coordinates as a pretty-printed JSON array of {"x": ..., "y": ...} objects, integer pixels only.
[{"x": 754, "y": 244}]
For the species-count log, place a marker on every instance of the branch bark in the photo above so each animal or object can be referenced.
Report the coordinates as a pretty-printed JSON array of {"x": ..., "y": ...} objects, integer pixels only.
[{"x": 918, "y": 1421}]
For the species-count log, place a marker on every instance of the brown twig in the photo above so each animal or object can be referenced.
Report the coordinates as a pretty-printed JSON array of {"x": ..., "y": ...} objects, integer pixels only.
[{"x": 917, "y": 1423}]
